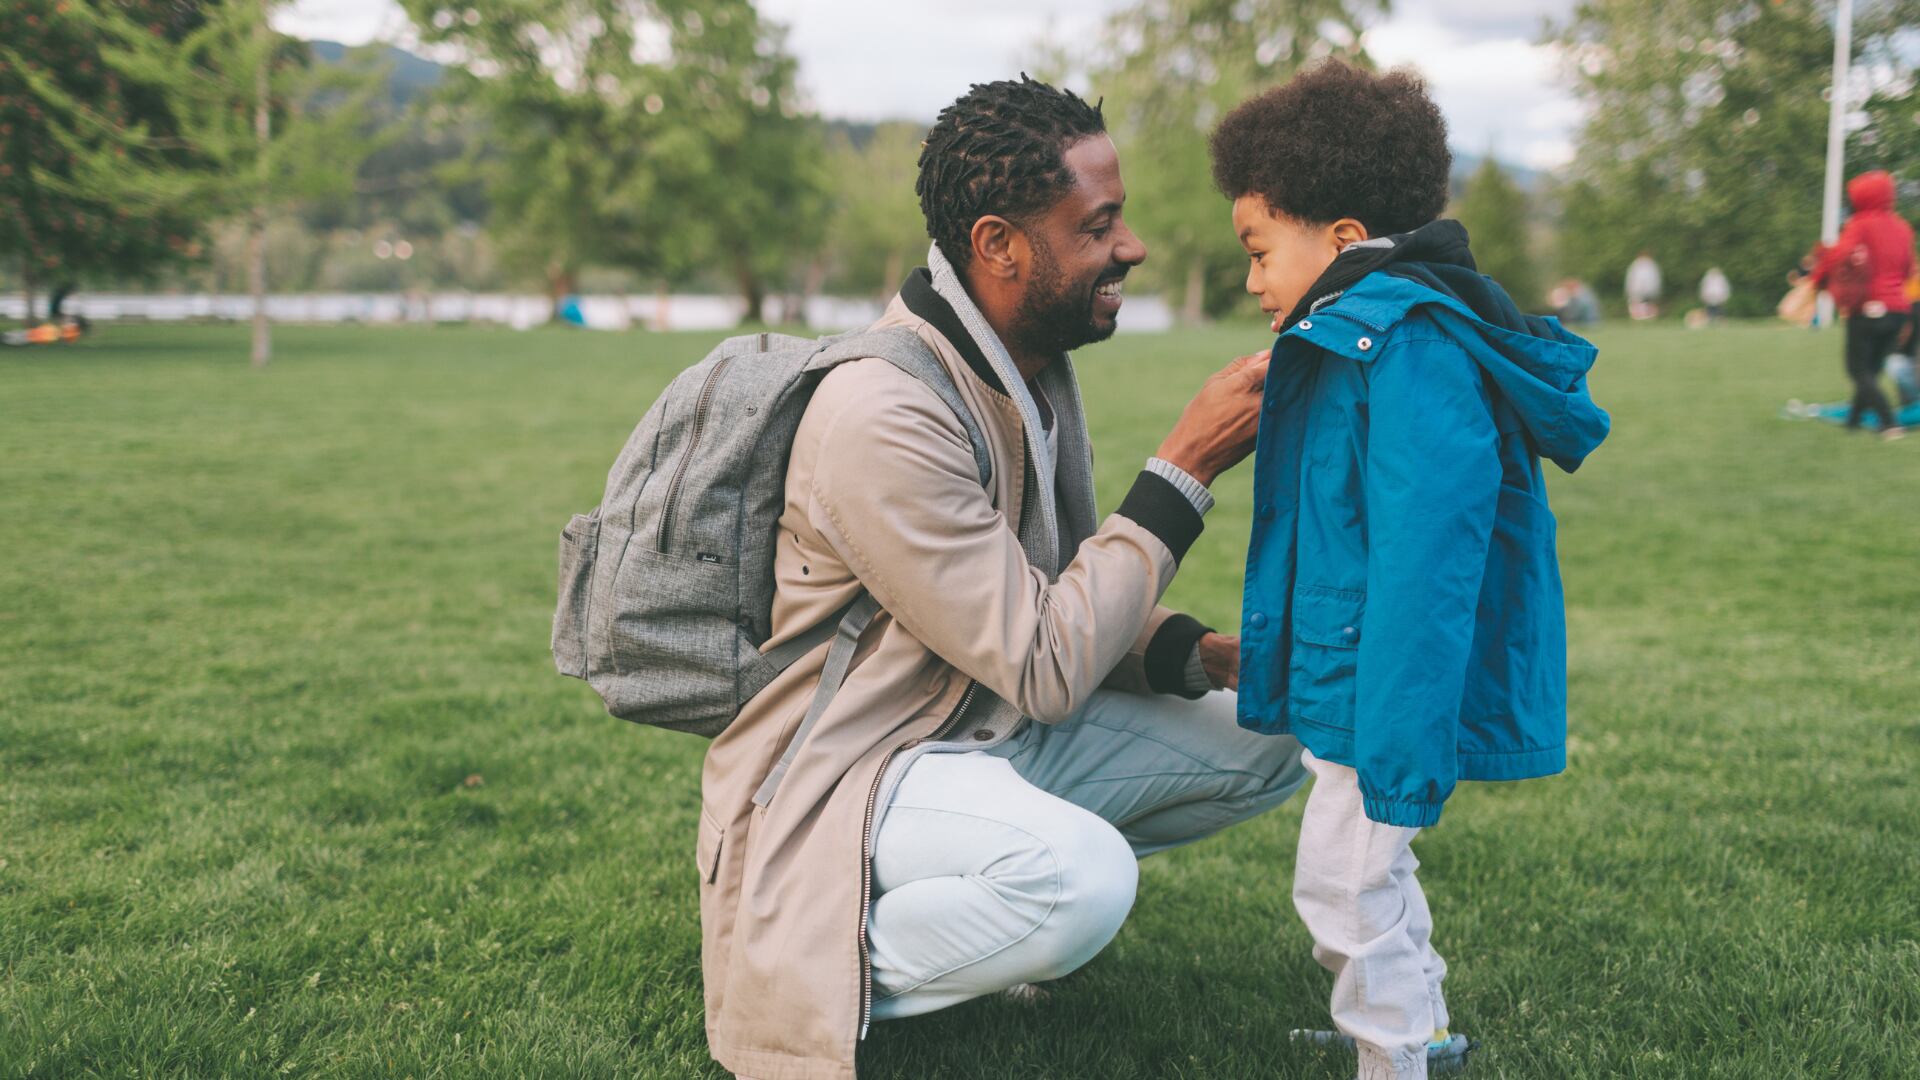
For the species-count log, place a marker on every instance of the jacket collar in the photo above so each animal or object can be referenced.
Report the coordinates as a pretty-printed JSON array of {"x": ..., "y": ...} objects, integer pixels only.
[
  {"x": 918, "y": 293},
  {"x": 1443, "y": 241}
]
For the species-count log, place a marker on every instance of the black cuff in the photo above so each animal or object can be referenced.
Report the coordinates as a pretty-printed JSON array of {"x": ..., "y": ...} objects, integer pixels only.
[
  {"x": 1161, "y": 509},
  {"x": 1168, "y": 652}
]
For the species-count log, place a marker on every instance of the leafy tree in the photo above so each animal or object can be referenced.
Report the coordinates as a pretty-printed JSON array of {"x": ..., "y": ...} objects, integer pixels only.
[
  {"x": 1706, "y": 136},
  {"x": 1497, "y": 217},
  {"x": 878, "y": 230},
  {"x": 1170, "y": 69},
  {"x": 657, "y": 135},
  {"x": 50, "y": 65}
]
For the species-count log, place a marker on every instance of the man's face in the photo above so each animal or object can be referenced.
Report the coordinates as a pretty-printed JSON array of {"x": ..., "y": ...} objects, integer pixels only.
[
  {"x": 1081, "y": 251},
  {"x": 1284, "y": 257}
]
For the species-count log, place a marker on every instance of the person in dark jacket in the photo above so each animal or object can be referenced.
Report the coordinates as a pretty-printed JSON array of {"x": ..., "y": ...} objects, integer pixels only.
[
  {"x": 1403, "y": 614},
  {"x": 1875, "y": 249}
]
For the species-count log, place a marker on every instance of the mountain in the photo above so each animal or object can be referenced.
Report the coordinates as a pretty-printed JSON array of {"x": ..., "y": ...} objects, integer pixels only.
[{"x": 412, "y": 76}]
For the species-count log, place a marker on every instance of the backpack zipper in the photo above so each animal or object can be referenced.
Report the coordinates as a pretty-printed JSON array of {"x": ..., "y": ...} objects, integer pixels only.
[
  {"x": 866, "y": 849},
  {"x": 686, "y": 456}
]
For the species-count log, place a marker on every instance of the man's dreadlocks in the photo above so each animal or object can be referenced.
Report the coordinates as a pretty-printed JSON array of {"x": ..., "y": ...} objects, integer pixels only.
[{"x": 1000, "y": 149}]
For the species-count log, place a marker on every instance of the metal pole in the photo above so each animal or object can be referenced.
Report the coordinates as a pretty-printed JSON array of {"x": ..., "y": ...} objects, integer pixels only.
[{"x": 1836, "y": 139}]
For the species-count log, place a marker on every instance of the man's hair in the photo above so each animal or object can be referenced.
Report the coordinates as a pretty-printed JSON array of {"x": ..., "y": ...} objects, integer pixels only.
[
  {"x": 1337, "y": 141},
  {"x": 1000, "y": 150}
]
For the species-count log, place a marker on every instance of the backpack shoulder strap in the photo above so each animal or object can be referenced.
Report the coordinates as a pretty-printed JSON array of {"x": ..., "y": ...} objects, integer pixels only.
[{"x": 903, "y": 348}]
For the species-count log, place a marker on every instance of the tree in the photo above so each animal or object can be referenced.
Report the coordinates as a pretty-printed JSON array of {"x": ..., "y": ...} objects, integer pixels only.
[
  {"x": 1705, "y": 141},
  {"x": 657, "y": 135},
  {"x": 50, "y": 62},
  {"x": 254, "y": 126},
  {"x": 1170, "y": 69},
  {"x": 1497, "y": 217},
  {"x": 878, "y": 230}
]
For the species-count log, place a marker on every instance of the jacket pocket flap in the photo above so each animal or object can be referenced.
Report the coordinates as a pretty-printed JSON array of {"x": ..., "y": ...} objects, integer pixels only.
[
  {"x": 1331, "y": 617},
  {"x": 706, "y": 848}
]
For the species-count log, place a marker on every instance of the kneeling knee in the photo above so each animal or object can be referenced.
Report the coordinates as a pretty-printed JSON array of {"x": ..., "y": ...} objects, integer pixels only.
[{"x": 1099, "y": 877}]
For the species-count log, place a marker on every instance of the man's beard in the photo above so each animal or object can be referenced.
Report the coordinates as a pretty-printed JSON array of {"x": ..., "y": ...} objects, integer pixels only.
[{"x": 1056, "y": 315}]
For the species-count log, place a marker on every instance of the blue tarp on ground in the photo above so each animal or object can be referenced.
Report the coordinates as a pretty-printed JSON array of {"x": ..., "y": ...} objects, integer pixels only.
[{"x": 1836, "y": 413}]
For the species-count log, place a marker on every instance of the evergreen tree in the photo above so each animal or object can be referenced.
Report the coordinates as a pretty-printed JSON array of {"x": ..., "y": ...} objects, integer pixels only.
[
  {"x": 1498, "y": 219},
  {"x": 53, "y": 229}
]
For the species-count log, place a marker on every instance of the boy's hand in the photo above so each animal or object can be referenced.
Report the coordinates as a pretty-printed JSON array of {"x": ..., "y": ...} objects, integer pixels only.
[
  {"x": 1220, "y": 655},
  {"x": 1220, "y": 424}
]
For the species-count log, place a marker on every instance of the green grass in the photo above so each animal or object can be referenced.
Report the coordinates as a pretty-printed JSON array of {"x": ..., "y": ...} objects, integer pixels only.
[{"x": 260, "y": 629}]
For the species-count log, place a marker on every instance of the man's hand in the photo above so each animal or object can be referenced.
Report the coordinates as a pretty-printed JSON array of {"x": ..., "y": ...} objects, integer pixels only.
[
  {"x": 1220, "y": 655},
  {"x": 1220, "y": 424}
]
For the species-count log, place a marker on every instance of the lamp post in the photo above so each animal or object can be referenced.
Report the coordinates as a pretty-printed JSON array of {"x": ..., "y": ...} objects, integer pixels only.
[{"x": 1836, "y": 139}]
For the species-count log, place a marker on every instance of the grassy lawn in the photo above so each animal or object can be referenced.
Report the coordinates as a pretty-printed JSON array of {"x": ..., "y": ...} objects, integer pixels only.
[{"x": 288, "y": 785}]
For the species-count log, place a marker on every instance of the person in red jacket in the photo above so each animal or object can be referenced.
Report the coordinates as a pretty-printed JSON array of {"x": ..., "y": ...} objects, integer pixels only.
[{"x": 1866, "y": 269}]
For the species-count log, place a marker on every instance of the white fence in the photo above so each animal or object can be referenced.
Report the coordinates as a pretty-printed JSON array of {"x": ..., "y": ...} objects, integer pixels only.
[{"x": 602, "y": 312}]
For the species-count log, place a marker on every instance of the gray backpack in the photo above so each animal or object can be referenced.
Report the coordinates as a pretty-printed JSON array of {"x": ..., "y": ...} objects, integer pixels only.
[{"x": 666, "y": 588}]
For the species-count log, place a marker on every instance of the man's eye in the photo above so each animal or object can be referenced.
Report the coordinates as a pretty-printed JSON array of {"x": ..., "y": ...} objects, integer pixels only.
[{"x": 1099, "y": 231}]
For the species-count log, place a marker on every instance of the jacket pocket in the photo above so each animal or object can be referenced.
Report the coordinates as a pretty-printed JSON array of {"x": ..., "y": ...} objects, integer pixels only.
[
  {"x": 706, "y": 848},
  {"x": 578, "y": 544},
  {"x": 1326, "y": 633}
]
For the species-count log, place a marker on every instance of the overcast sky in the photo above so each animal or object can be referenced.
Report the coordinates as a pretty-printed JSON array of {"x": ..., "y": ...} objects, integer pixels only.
[{"x": 879, "y": 59}]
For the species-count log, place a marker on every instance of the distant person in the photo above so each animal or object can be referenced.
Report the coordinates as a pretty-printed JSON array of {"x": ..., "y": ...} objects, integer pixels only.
[
  {"x": 1574, "y": 302},
  {"x": 1866, "y": 272},
  {"x": 1643, "y": 286},
  {"x": 1901, "y": 366},
  {"x": 1403, "y": 614},
  {"x": 1715, "y": 291}
]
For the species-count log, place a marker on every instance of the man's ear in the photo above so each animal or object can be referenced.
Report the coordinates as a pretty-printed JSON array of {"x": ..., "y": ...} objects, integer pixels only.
[
  {"x": 1348, "y": 231},
  {"x": 999, "y": 248}
]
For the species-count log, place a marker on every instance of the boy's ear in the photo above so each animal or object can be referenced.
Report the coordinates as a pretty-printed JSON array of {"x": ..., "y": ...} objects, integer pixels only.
[{"x": 1348, "y": 231}]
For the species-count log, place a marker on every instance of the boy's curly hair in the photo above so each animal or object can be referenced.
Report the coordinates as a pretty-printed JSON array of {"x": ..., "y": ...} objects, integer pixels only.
[
  {"x": 1338, "y": 141},
  {"x": 1000, "y": 149}
]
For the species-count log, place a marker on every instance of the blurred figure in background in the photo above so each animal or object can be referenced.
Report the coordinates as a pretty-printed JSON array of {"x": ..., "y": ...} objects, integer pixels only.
[
  {"x": 1900, "y": 365},
  {"x": 1643, "y": 287},
  {"x": 1715, "y": 291},
  {"x": 1866, "y": 270},
  {"x": 1573, "y": 301}
]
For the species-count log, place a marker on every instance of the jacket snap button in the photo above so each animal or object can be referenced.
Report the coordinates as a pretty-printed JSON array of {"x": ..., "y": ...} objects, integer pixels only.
[
  {"x": 1365, "y": 343},
  {"x": 1349, "y": 633},
  {"x": 982, "y": 735},
  {"x": 1306, "y": 324},
  {"x": 1257, "y": 620}
]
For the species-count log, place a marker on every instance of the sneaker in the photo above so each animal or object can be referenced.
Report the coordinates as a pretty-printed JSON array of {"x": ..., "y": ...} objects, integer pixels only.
[
  {"x": 1446, "y": 1053},
  {"x": 1893, "y": 434}
]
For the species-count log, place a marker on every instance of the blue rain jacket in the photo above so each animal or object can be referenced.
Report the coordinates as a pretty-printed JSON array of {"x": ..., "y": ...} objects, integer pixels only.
[{"x": 1403, "y": 613}]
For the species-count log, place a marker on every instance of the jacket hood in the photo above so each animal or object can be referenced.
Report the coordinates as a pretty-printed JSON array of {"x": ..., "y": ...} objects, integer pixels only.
[
  {"x": 1539, "y": 367},
  {"x": 1871, "y": 191}
]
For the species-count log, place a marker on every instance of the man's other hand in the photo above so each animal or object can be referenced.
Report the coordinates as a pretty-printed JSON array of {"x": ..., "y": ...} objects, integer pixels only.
[
  {"x": 1220, "y": 655},
  {"x": 1220, "y": 424}
]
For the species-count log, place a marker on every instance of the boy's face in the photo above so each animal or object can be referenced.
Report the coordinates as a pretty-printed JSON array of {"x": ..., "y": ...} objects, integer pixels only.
[{"x": 1286, "y": 256}]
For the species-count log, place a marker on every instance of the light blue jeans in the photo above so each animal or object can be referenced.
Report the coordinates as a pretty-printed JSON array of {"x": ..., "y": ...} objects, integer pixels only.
[{"x": 1017, "y": 864}]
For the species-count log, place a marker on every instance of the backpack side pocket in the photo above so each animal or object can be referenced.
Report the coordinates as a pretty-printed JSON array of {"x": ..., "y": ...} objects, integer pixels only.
[{"x": 578, "y": 542}]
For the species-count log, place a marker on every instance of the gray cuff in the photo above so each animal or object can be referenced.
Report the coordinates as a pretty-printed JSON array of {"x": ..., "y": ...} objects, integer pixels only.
[
  {"x": 1194, "y": 490},
  {"x": 1197, "y": 681}
]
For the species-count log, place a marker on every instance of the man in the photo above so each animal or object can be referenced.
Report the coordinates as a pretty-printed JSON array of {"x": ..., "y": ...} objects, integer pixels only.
[
  {"x": 1021, "y": 721},
  {"x": 1867, "y": 269}
]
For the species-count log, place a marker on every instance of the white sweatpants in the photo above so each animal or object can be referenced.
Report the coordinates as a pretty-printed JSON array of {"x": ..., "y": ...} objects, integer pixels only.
[{"x": 1354, "y": 887}]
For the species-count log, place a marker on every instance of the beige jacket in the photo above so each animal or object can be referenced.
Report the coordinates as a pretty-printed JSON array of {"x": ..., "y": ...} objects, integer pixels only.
[{"x": 883, "y": 491}]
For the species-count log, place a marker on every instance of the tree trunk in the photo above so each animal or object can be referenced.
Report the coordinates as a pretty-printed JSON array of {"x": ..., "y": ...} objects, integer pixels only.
[
  {"x": 1194, "y": 310},
  {"x": 257, "y": 225},
  {"x": 26, "y": 285},
  {"x": 896, "y": 266},
  {"x": 750, "y": 289}
]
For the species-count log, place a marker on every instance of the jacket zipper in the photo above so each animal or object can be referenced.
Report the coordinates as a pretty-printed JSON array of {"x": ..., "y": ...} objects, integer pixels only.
[
  {"x": 686, "y": 456},
  {"x": 866, "y": 850}
]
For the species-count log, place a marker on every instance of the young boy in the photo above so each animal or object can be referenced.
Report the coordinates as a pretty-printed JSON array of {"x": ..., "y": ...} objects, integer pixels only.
[{"x": 1403, "y": 615}]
